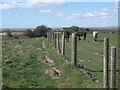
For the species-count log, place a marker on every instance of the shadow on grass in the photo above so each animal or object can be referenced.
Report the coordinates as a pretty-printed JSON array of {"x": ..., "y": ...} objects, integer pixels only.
[
  {"x": 82, "y": 67},
  {"x": 100, "y": 40}
]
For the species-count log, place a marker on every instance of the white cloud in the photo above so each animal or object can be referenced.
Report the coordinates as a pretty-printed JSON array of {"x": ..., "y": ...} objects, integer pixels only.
[
  {"x": 59, "y": 14},
  {"x": 88, "y": 15},
  {"x": 8, "y": 5},
  {"x": 75, "y": 15},
  {"x": 29, "y": 3},
  {"x": 29, "y": 14},
  {"x": 64, "y": 16},
  {"x": 104, "y": 17},
  {"x": 45, "y": 1},
  {"x": 104, "y": 13},
  {"x": 46, "y": 11},
  {"x": 16, "y": 14},
  {"x": 108, "y": 13}
]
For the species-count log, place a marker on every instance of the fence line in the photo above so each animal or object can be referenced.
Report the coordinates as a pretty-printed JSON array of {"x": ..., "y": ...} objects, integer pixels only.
[{"x": 54, "y": 38}]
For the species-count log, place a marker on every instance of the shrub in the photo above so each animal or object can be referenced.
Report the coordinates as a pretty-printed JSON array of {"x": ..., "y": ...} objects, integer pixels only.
[
  {"x": 29, "y": 33},
  {"x": 9, "y": 33},
  {"x": 41, "y": 31}
]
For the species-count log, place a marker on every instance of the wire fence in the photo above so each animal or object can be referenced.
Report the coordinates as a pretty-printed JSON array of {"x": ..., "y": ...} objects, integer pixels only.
[{"x": 90, "y": 55}]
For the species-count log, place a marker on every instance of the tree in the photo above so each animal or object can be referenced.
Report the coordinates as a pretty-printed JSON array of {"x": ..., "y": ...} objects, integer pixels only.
[
  {"x": 41, "y": 31},
  {"x": 87, "y": 29},
  {"x": 29, "y": 33},
  {"x": 9, "y": 33},
  {"x": 74, "y": 29}
]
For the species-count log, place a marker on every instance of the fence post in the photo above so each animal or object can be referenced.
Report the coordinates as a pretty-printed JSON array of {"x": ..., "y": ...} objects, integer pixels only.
[
  {"x": 74, "y": 49},
  {"x": 113, "y": 67},
  {"x": 106, "y": 62},
  {"x": 50, "y": 36},
  {"x": 54, "y": 39},
  {"x": 58, "y": 42},
  {"x": 63, "y": 44},
  {"x": 47, "y": 36}
]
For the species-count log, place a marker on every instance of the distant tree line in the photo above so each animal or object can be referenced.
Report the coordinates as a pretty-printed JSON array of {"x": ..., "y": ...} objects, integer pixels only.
[
  {"x": 41, "y": 31},
  {"x": 76, "y": 29}
]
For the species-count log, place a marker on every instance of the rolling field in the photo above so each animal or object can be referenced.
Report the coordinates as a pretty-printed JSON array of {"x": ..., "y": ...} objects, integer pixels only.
[
  {"x": 90, "y": 54},
  {"x": 0, "y": 62},
  {"x": 23, "y": 66}
]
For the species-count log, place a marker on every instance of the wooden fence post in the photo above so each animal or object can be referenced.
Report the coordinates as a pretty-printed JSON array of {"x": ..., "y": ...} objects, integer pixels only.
[
  {"x": 55, "y": 40},
  {"x": 113, "y": 67},
  {"x": 106, "y": 62},
  {"x": 47, "y": 36},
  {"x": 63, "y": 44},
  {"x": 58, "y": 42},
  {"x": 50, "y": 37},
  {"x": 74, "y": 49}
]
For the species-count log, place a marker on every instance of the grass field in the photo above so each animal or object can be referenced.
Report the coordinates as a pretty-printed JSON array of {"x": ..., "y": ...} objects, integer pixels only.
[
  {"x": 22, "y": 69},
  {"x": 90, "y": 54},
  {"x": 0, "y": 62}
]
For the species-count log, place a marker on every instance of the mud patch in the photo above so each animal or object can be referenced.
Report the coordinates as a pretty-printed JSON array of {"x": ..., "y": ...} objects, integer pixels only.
[
  {"x": 37, "y": 38},
  {"x": 49, "y": 61},
  {"x": 99, "y": 53},
  {"x": 46, "y": 52},
  {"x": 38, "y": 49},
  {"x": 46, "y": 60},
  {"x": 41, "y": 58},
  {"x": 53, "y": 73},
  {"x": 82, "y": 61}
]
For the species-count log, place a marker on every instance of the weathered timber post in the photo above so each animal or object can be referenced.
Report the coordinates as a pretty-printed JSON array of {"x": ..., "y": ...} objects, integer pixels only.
[
  {"x": 47, "y": 36},
  {"x": 58, "y": 42},
  {"x": 55, "y": 40},
  {"x": 50, "y": 37},
  {"x": 113, "y": 67},
  {"x": 74, "y": 49},
  {"x": 63, "y": 44},
  {"x": 105, "y": 63}
]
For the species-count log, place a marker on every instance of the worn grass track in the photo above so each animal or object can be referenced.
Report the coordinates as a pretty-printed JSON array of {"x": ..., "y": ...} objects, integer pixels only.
[{"x": 22, "y": 69}]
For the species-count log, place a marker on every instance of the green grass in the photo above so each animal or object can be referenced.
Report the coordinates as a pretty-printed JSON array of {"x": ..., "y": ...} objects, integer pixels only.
[
  {"x": 86, "y": 53},
  {"x": 71, "y": 77},
  {"x": 0, "y": 62},
  {"x": 21, "y": 69}
]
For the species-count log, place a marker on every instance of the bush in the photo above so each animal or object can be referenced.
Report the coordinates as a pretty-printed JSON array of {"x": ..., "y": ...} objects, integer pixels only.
[
  {"x": 41, "y": 31},
  {"x": 74, "y": 29},
  {"x": 29, "y": 33},
  {"x": 87, "y": 29},
  {"x": 9, "y": 33}
]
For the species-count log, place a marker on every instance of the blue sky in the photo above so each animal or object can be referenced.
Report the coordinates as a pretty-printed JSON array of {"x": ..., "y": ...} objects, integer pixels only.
[{"x": 57, "y": 14}]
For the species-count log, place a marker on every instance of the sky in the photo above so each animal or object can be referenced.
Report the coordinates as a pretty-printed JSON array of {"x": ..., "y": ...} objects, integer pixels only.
[{"x": 57, "y": 13}]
